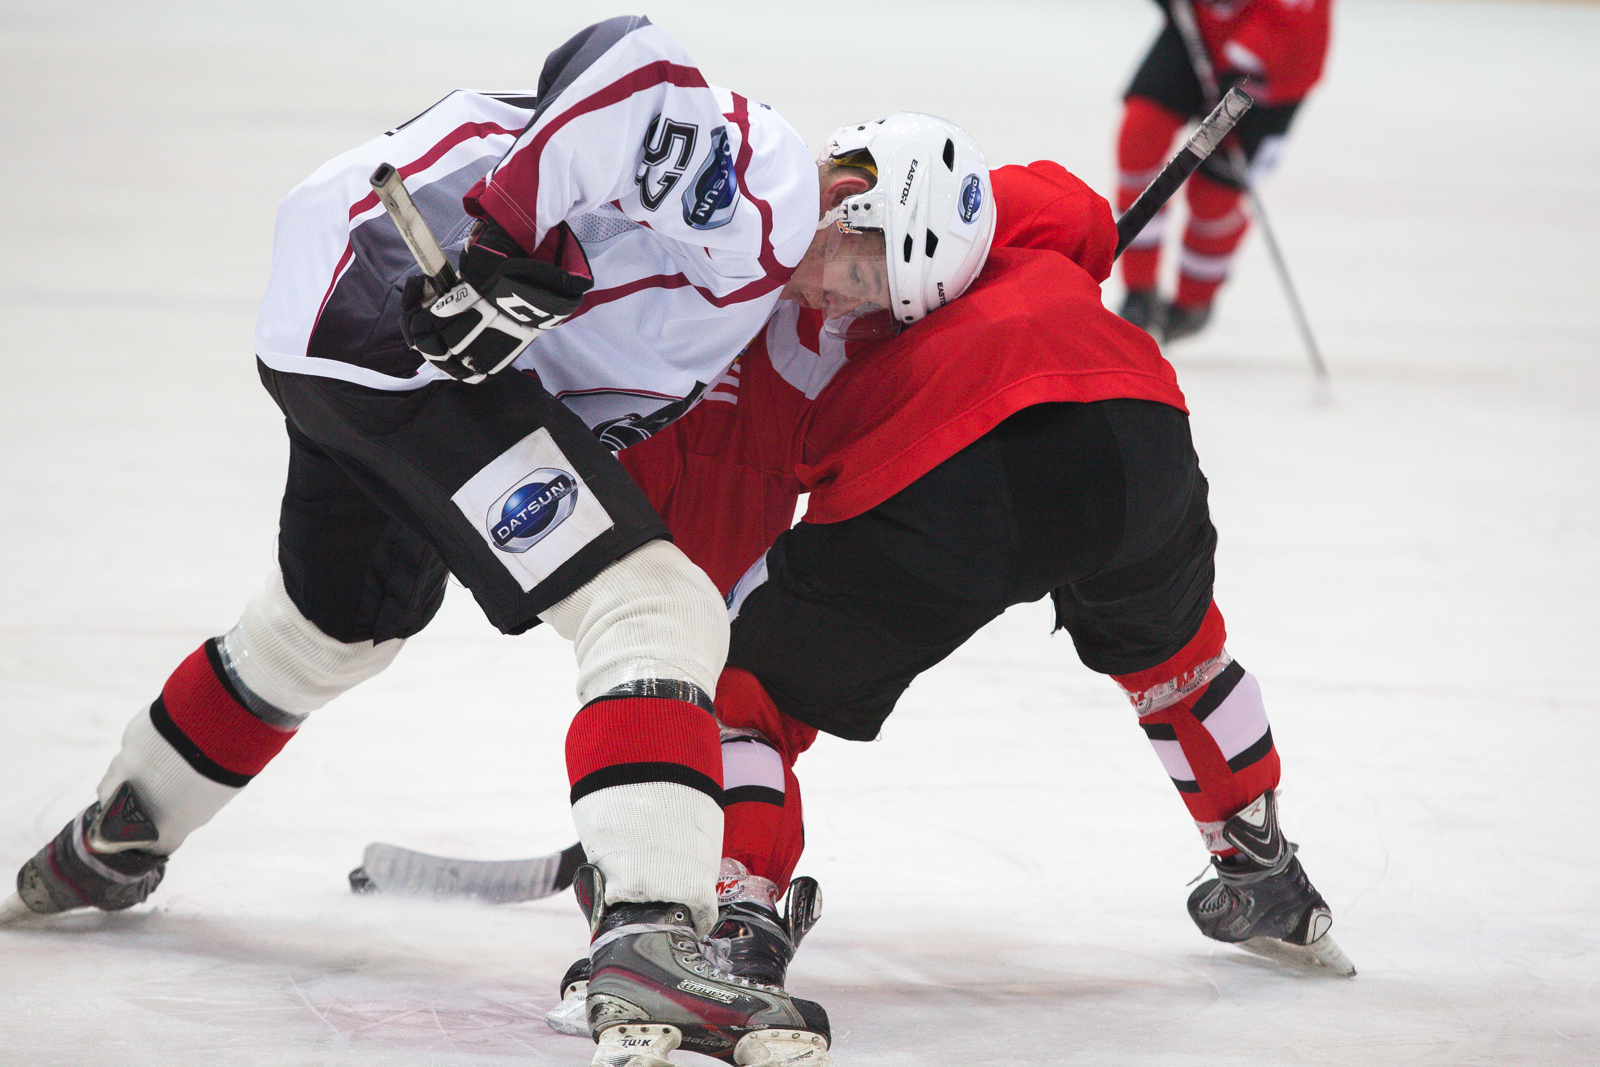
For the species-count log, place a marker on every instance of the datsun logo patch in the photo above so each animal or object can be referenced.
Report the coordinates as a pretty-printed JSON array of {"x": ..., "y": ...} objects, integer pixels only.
[
  {"x": 710, "y": 199},
  {"x": 532, "y": 510},
  {"x": 971, "y": 198}
]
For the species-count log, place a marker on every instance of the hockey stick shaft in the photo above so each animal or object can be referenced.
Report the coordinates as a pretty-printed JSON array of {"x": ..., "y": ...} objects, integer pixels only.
[
  {"x": 1182, "y": 13},
  {"x": 1205, "y": 139},
  {"x": 412, "y": 226}
]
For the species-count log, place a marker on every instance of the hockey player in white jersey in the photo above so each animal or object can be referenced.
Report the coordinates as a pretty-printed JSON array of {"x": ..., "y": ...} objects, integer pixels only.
[{"x": 619, "y": 235}]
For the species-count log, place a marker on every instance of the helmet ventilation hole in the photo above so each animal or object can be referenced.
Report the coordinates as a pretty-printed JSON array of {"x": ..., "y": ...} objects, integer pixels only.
[
  {"x": 933, "y": 242},
  {"x": 910, "y": 246},
  {"x": 949, "y": 154}
]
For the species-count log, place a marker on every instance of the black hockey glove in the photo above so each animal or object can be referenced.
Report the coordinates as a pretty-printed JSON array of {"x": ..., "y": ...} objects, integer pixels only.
[{"x": 503, "y": 301}]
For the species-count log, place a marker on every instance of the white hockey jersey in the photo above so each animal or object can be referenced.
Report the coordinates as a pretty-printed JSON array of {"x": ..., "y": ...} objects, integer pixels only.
[{"x": 693, "y": 204}]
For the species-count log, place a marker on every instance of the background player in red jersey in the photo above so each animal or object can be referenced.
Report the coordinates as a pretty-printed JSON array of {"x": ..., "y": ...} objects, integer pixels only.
[{"x": 1274, "y": 50}]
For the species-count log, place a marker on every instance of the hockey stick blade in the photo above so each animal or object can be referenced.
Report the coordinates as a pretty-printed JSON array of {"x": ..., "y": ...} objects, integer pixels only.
[
  {"x": 1204, "y": 141},
  {"x": 413, "y": 227},
  {"x": 391, "y": 869}
]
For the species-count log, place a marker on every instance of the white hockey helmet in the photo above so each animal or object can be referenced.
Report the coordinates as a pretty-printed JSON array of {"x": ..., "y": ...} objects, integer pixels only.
[{"x": 932, "y": 201}]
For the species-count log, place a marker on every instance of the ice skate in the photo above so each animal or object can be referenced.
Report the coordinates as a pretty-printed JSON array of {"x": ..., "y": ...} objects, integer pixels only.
[
  {"x": 752, "y": 939},
  {"x": 1178, "y": 321},
  {"x": 1144, "y": 309},
  {"x": 98, "y": 860},
  {"x": 651, "y": 990},
  {"x": 1262, "y": 900}
]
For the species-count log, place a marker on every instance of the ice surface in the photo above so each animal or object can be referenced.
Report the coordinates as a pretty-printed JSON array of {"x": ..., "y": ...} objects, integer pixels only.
[{"x": 1410, "y": 565}]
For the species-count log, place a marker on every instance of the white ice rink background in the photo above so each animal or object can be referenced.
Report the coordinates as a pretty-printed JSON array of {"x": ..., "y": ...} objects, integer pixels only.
[{"x": 1411, "y": 566}]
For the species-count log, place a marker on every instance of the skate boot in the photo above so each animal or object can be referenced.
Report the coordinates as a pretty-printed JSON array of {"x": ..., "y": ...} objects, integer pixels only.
[
  {"x": 751, "y": 940},
  {"x": 1144, "y": 309},
  {"x": 1262, "y": 900},
  {"x": 1179, "y": 322},
  {"x": 651, "y": 990},
  {"x": 98, "y": 860}
]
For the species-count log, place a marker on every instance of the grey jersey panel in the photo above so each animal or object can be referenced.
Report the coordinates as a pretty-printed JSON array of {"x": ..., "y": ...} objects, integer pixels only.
[
  {"x": 360, "y": 323},
  {"x": 564, "y": 65}
]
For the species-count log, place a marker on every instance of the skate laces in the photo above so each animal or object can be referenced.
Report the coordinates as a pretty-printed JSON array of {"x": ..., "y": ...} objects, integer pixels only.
[{"x": 719, "y": 951}]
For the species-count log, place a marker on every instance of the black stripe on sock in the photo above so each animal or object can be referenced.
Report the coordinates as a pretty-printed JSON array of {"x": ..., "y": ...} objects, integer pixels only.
[
  {"x": 1218, "y": 690},
  {"x": 755, "y": 794},
  {"x": 190, "y": 751},
  {"x": 1185, "y": 785},
  {"x": 1252, "y": 754},
  {"x": 638, "y": 773},
  {"x": 1159, "y": 731}
]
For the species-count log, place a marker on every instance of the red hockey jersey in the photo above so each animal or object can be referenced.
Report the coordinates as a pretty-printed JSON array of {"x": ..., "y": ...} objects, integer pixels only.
[{"x": 801, "y": 413}]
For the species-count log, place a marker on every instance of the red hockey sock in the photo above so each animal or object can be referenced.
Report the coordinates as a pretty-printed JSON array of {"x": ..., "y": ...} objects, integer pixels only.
[
  {"x": 632, "y": 740},
  {"x": 763, "y": 827},
  {"x": 1142, "y": 144},
  {"x": 1204, "y": 717},
  {"x": 201, "y": 715},
  {"x": 646, "y": 775},
  {"x": 1217, "y": 223}
]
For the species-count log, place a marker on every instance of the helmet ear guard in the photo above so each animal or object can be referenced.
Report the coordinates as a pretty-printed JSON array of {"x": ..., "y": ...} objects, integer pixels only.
[{"x": 933, "y": 201}]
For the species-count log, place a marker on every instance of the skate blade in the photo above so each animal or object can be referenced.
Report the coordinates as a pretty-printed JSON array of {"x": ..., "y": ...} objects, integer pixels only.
[
  {"x": 636, "y": 1045},
  {"x": 571, "y": 1016},
  {"x": 12, "y": 909},
  {"x": 782, "y": 1048},
  {"x": 1321, "y": 953}
]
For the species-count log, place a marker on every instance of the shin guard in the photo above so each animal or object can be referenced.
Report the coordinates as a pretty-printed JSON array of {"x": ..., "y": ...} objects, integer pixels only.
[
  {"x": 763, "y": 825},
  {"x": 646, "y": 777},
  {"x": 194, "y": 748},
  {"x": 1205, "y": 719},
  {"x": 229, "y": 708}
]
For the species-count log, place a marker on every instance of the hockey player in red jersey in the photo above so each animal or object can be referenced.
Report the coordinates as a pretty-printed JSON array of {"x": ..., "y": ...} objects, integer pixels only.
[
  {"x": 1274, "y": 50},
  {"x": 619, "y": 236},
  {"x": 1023, "y": 442}
]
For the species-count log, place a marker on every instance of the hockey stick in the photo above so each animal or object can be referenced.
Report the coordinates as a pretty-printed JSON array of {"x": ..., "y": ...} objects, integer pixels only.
[
  {"x": 1183, "y": 20},
  {"x": 1201, "y": 144},
  {"x": 413, "y": 228}
]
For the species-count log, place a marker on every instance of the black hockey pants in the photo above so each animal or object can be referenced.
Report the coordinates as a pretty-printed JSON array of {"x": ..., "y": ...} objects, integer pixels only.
[{"x": 1101, "y": 505}]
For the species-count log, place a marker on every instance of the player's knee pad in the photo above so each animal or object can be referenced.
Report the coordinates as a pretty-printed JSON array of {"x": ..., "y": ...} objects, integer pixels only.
[
  {"x": 281, "y": 660},
  {"x": 650, "y": 615}
]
